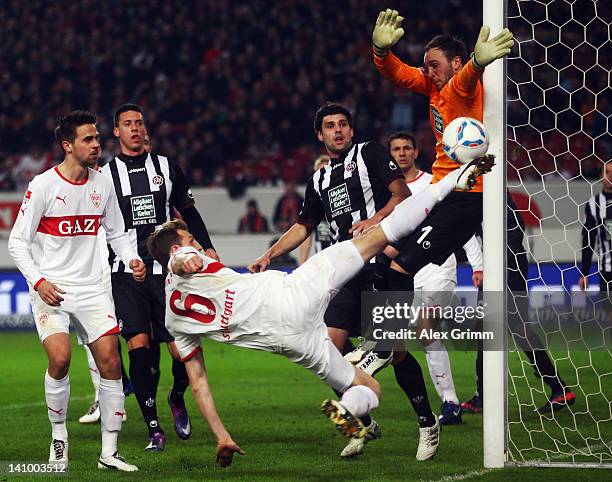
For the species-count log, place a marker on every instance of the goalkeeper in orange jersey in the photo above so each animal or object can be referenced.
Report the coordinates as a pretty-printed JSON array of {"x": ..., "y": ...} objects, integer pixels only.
[{"x": 453, "y": 84}]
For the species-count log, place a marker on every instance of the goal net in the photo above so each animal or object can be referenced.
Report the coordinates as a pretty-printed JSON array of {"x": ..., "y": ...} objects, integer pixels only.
[{"x": 559, "y": 106}]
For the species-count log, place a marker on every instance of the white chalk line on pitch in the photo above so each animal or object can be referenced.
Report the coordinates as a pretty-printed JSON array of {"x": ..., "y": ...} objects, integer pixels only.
[
  {"x": 479, "y": 473},
  {"x": 44, "y": 403}
]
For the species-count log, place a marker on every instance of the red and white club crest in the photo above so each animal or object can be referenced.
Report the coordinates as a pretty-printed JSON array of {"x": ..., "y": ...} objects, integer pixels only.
[
  {"x": 351, "y": 166},
  {"x": 158, "y": 180},
  {"x": 96, "y": 199},
  {"x": 42, "y": 318}
]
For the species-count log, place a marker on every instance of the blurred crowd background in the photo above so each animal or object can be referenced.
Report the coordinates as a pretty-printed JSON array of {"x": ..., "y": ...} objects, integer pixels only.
[{"x": 229, "y": 88}]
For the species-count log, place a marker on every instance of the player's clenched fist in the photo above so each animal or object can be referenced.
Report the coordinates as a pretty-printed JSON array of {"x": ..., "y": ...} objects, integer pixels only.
[
  {"x": 192, "y": 264},
  {"x": 50, "y": 293},
  {"x": 226, "y": 450},
  {"x": 139, "y": 270},
  {"x": 387, "y": 31}
]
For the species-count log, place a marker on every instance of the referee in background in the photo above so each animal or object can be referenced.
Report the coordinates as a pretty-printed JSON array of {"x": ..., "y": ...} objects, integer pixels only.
[
  {"x": 149, "y": 187},
  {"x": 597, "y": 232}
]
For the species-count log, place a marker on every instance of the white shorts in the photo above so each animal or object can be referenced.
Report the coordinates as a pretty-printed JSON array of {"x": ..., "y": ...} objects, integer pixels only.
[
  {"x": 89, "y": 308},
  {"x": 305, "y": 296}
]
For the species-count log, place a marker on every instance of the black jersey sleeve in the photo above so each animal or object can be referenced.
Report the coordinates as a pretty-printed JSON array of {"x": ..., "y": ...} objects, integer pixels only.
[
  {"x": 312, "y": 212},
  {"x": 180, "y": 197},
  {"x": 378, "y": 160}
]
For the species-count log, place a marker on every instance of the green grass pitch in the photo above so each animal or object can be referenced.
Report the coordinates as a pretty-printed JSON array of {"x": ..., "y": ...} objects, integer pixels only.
[{"x": 271, "y": 407}]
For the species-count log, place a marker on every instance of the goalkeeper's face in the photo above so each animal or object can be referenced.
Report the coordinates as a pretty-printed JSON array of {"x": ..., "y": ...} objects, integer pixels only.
[
  {"x": 336, "y": 134},
  {"x": 439, "y": 68}
]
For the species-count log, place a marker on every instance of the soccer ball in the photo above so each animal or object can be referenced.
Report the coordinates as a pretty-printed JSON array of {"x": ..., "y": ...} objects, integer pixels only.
[{"x": 465, "y": 139}]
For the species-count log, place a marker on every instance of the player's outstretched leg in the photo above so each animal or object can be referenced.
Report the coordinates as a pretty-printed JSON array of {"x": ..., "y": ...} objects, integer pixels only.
[{"x": 57, "y": 393}]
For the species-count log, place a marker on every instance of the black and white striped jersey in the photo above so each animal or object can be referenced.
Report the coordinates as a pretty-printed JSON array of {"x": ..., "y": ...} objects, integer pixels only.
[
  {"x": 349, "y": 189},
  {"x": 147, "y": 187},
  {"x": 597, "y": 232}
]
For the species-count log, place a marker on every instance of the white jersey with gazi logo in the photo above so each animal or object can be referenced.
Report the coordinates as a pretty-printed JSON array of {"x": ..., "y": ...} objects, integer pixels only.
[
  {"x": 221, "y": 304},
  {"x": 55, "y": 236}
]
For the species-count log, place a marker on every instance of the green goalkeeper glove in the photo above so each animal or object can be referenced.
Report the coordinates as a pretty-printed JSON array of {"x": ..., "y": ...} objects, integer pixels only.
[
  {"x": 387, "y": 31},
  {"x": 487, "y": 51}
]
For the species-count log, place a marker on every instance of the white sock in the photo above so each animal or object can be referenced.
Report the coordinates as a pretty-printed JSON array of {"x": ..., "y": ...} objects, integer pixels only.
[
  {"x": 438, "y": 363},
  {"x": 411, "y": 212},
  {"x": 448, "y": 183},
  {"x": 57, "y": 393},
  {"x": 112, "y": 402},
  {"x": 408, "y": 214},
  {"x": 359, "y": 400},
  {"x": 93, "y": 371}
]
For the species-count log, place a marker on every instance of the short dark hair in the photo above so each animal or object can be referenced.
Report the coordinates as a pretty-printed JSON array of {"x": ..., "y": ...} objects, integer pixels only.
[
  {"x": 330, "y": 108},
  {"x": 161, "y": 240},
  {"x": 68, "y": 125},
  {"x": 401, "y": 135},
  {"x": 450, "y": 45},
  {"x": 129, "y": 107}
]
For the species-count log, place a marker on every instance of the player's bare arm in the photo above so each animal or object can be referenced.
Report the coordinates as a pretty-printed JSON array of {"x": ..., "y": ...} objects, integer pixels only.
[
  {"x": 198, "y": 380},
  {"x": 294, "y": 236},
  {"x": 399, "y": 192}
]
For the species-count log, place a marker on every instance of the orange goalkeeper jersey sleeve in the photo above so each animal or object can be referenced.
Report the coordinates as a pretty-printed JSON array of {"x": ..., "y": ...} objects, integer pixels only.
[{"x": 462, "y": 96}]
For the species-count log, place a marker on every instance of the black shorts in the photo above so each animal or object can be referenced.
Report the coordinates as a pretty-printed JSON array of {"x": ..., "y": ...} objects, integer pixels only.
[
  {"x": 344, "y": 310},
  {"x": 448, "y": 227},
  {"x": 141, "y": 307}
]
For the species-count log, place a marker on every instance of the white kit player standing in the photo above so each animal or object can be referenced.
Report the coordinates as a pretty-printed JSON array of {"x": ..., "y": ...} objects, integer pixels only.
[
  {"x": 54, "y": 244},
  {"x": 435, "y": 283}
]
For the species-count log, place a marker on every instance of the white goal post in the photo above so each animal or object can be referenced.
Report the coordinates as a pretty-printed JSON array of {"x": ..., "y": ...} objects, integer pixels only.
[
  {"x": 550, "y": 99},
  {"x": 494, "y": 246}
]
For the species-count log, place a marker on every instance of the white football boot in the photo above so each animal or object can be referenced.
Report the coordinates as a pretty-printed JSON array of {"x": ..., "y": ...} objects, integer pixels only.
[
  {"x": 58, "y": 451},
  {"x": 373, "y": 362},
  {"x": 116, "y": 462},
  {"x": 429, "y": 438},
  {"x": 92, "y": 415},
  {"x": 362, "y": 349},
  {"x": 355, "y": 445}
]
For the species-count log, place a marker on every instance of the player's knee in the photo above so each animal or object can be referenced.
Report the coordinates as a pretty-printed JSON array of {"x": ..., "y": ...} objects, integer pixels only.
[
  {"x": 138, "y": 341},
  {"x": 59, "y": 364},
  {"x": 110, "y": 366}
]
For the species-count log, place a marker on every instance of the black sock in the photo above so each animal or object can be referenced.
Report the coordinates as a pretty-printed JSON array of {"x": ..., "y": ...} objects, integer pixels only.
[
  {"x": 543, "y": 366},
  {"x": 397, "y": 281},
  {"x": 155, "y": 355},
  {"x": 181, "y": 382},
  {"x": 140, "y": 373},
  {"x": 409, "y": 377},
  {"x": 348, "y": 346}
]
